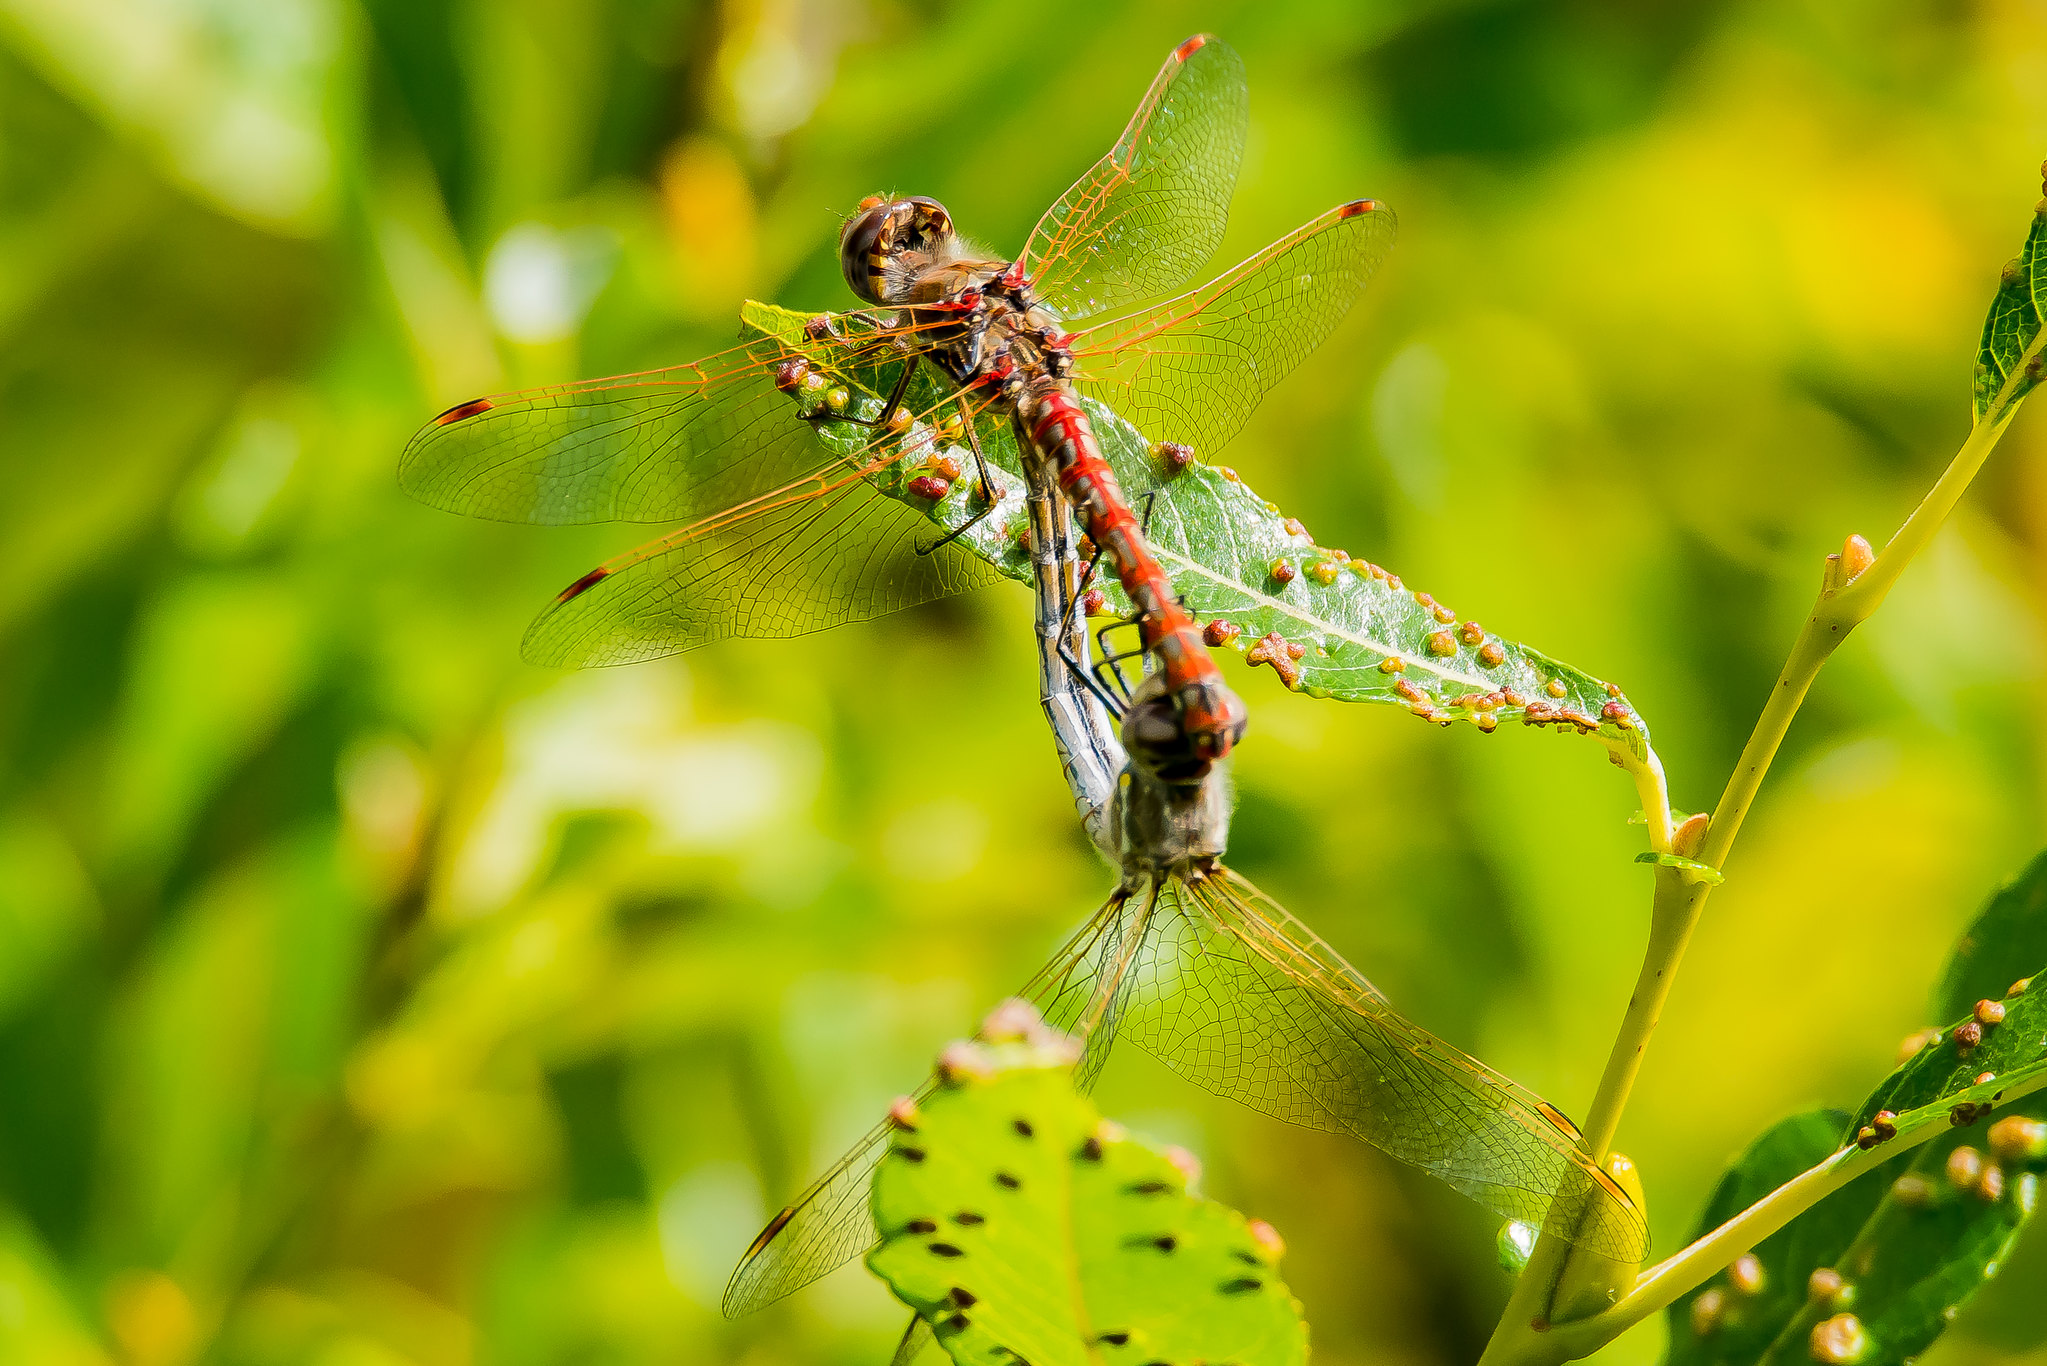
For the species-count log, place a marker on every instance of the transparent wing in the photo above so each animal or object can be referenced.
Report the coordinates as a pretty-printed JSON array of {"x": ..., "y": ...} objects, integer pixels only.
[
  {"x": 818, "y": 551},
  {"x": 1152, "y": 212},
  {"x": 1233, "y": 993},
  {"x": 829, "y": 1223},
  {"x": 1193, "y": 368},
  {"x": 658, "y": 446},
  {"x": 838, "y": 554}
]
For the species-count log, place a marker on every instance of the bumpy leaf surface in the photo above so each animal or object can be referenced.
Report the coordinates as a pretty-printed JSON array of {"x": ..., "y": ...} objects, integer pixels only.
[
  {"x": 2011, "y": 334},
  {"x": 1913, "y": 1240},
  {"x": 1328, "y": 623},
  {"x": 1020, "y": 1227}
]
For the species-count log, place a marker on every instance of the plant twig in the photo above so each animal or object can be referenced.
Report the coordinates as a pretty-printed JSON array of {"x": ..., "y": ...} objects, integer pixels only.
[
  {"x": 1663, "y": 1284},
  {"x": 1852, "y": 590}
]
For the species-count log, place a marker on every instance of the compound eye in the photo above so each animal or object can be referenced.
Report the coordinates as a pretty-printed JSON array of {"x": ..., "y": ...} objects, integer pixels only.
[
  {"x": 860, "y": 243},
  {"x": 932, "y": 220}
]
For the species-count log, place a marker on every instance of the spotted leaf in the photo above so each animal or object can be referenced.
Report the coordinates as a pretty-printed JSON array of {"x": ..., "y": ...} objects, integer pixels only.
[
  {"x": 1021, "y": 1227},
  {"x": 2006, "y": 359},
  {"x": 1874, "y": 1272},
  {"x": 1328, "y": 623}
]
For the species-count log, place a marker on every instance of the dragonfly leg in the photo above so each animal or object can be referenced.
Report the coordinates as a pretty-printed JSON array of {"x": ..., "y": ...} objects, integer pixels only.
[
  {"x": 1091, "y": 678},
  {"x": 989, "y": 500}
]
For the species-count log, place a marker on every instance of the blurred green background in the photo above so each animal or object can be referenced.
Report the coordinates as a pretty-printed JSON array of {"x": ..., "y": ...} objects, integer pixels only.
[{"x": 368, "y": 998}]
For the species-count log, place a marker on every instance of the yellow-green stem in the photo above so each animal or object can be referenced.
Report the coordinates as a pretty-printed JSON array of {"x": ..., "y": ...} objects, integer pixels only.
[{"x": 1524, "y": 1336}]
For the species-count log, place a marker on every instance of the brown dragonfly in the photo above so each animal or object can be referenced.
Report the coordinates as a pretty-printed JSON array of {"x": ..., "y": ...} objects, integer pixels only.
[
  {"x": 780, "y": 537},
  {"x": 1197, "y": 967}
]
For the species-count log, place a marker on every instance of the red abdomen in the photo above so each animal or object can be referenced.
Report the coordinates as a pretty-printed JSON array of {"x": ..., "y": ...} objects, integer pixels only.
[{"x": 1211, "y": 714}]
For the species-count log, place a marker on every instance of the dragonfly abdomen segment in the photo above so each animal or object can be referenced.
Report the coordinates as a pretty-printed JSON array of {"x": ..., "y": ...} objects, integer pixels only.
[{"x": 1212, "y": 714}]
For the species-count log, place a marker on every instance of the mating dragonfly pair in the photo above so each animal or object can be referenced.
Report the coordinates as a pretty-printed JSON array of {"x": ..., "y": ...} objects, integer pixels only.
[{"x": 772, "y": 467}]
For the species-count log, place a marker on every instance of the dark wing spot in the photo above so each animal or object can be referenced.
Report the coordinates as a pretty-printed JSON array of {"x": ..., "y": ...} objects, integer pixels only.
[
  {"x": 1006, "y": 1181},
  {"x": 775, "y": 1225},
  {"x": 580, "y": 585},
  {"x": 462, "y": 410}
]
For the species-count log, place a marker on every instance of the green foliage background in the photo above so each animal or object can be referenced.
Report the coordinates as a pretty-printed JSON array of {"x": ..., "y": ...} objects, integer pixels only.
[{"x": 369, "y": 998}]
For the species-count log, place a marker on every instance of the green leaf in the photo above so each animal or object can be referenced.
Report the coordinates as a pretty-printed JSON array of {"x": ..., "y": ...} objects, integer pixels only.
[
  {"x": 2011, "y": 334},
  {"x": 1020, "y": 1226},
  {"x": 1739, "y": 1327},
  {"x": 1914, "y": 1241},
  {"x": 1328, "y": 623},
  {"x": 2008, "y": 941}
]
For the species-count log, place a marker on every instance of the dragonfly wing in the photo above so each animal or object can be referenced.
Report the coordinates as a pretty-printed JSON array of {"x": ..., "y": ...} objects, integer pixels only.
[
  {"x": 805, "y": 559},
  {"x": 663, "y": 445},
  {"x": 830, "y": 1222},
  {"x": 1193, "y": 368},
  {"x": 1152, "y": 212},
  {"x": 1236, "y": 995},
  {"x": 818, "y": 1232}
]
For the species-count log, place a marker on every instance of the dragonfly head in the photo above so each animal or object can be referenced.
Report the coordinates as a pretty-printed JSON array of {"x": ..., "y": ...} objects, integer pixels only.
[
  {"x": 1177, "y": 737},
  {"x": 884, "y": 246}
]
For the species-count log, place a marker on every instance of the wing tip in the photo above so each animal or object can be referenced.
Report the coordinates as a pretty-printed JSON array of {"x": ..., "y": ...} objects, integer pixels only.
[
  {"x": 1193, "y": 45},
  {"x": 1358, "y": 206}
]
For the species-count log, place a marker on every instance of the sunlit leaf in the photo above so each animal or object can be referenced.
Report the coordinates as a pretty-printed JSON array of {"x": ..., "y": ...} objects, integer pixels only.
[
  {"x": 1329, "y": 623},
  {"x": 1885, "y": 1261},
  {"x": 2011, "y": 334},
  {"x": 1020, "y": 1226}
]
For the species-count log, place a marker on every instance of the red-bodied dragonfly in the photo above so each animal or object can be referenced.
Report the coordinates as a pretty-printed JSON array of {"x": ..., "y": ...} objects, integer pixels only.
[
  {"x": 779, "y": 539},
  {"x": 1197, "y": 967}
]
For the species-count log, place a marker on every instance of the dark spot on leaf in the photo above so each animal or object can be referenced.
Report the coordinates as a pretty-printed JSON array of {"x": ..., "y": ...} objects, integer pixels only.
[
  {"x": 1165, "y": 1243},
  {"x": 1114, "y": 1339},
  {"x": 946, "y": 1250},
  {"x": 910, "y": 1154},
  {"x": 1241, "y": 1285},
  {"x": 1023, "y": 1126},
  {"x": 953, "y": 1323},
  {"x": 1092, "y": 1150},
  {"x": 1006, "y": 1181},
  {"x": 1248, "y": 1258},
  {"x": 963, "y": 1298},
  {"x": 1149, "y": 1188},
  {"x": 920, "y": 1226},
  {"x": 969, "y": 1218}
]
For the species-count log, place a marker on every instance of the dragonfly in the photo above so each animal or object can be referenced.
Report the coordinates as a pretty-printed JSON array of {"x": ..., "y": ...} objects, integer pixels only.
[
  {"x": 1192, "y": 963},
  {"x": 778, "y": 537}
]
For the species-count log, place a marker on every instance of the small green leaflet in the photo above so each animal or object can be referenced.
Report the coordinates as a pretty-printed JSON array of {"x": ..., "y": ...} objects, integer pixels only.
[
  {"x": 2011, "y": 334},
  {"x": 1328, "y": 623},
  {"x": 1915, "y": 1239},
  {"x": 1020, "y": 1226}
]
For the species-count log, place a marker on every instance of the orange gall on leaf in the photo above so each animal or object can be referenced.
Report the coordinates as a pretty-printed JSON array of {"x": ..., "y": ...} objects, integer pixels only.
[{"x": 1839, "y": 1341}]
